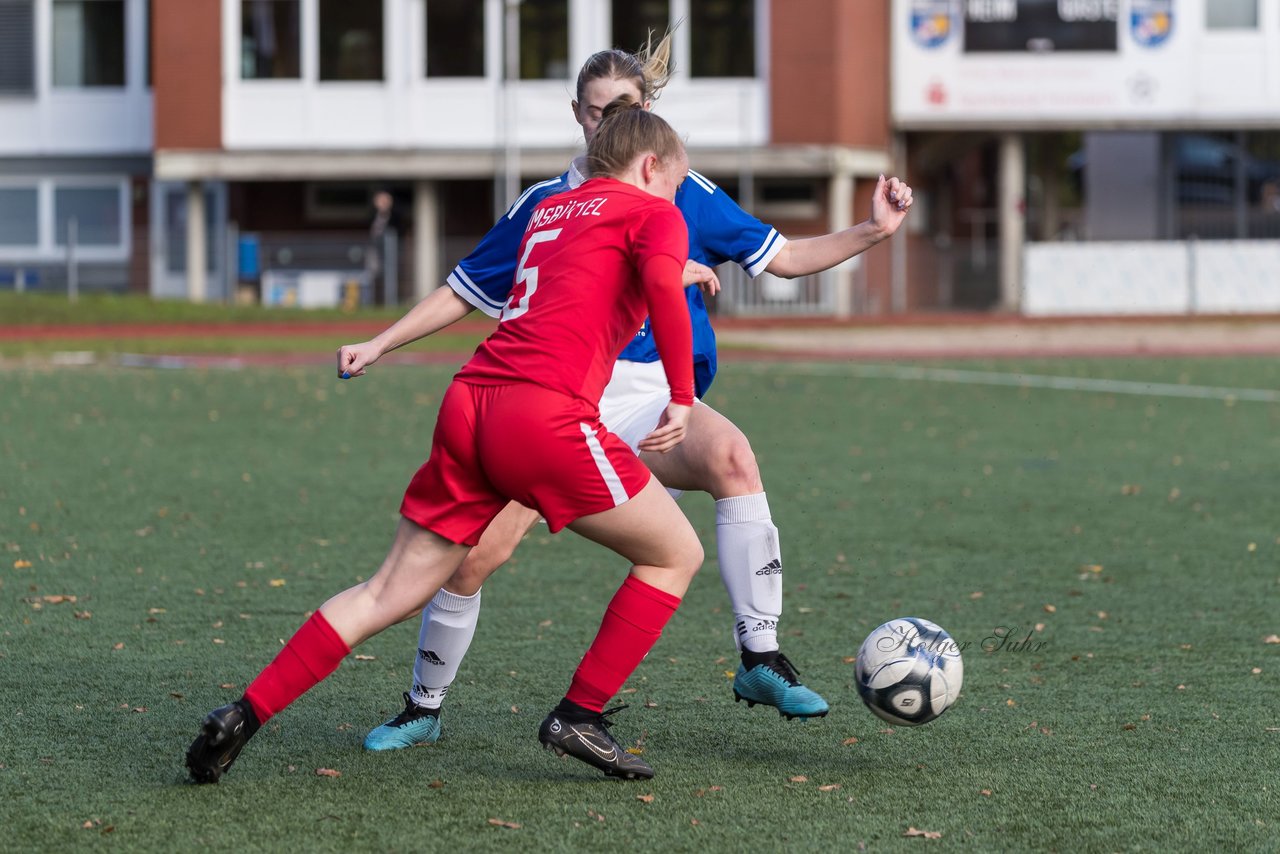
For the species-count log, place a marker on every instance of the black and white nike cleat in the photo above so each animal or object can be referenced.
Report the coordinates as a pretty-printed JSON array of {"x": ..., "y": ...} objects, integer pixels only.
[
  {"x": 223, "y": 733},
  {"x": 587, "y": 737}
]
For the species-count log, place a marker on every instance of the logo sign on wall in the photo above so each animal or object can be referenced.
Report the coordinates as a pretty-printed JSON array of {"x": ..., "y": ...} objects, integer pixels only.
[
  {"x": 931, "y": 23},
  {"x": 1151, "y": 21}
]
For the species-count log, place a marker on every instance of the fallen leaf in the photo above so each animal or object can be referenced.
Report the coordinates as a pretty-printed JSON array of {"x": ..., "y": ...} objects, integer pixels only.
[
  {"x": 1255, "y": 671},
  {"x": 927, "y": 834},
  {"x": 544, "y": 624},
  {"x": 850, "y": 659},
  {"x": 515, "y": 710},
  {"x": 436, "y": 784},
  {"x": 21, "y": 564},
  {"x": 850, "y": 740},
  {"x": 716, "y": 789},
  {"x": 227, "y": 686},
  {"x": 1050, "y": 609},
  {"x": 59, "y": 599},
  {"x": 366, "y": 658},
  {"x": 327, "y": 772},
  {"x": 885, "y": 731},
  {"x": 694, "y": 822},
  {"x": 140, "y": 708},
  {"x": 986, "y": 793},
  {"x": 155, "y": 610},
  {"x": 118, "y": 646},
  {"x": 831, "y": 787},
  {"x": 1130, "y": 726},
  {"x": 646, "y": 799},
  {"x": 799, "y": 778},
  {"x": 977, "y": 594},
  {"x": 635, "y": 751},
  {"x": 509, "y": 825},
  {"x": 176, "y": 695},
  {"x": 1271, "y": 639},
  {"x": 83, "y": 615},
  {"x": 276, "y": 582}
]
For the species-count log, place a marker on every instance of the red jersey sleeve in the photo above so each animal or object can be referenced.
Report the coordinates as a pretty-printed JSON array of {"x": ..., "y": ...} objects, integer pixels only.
[{"x": 661, "y": 247}]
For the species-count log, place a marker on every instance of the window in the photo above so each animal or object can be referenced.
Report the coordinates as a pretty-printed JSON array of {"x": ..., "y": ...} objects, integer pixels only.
[
  {"x": 1232, "y": 15},
  {"x": 455, "y": 38},
  {"x": 270, "y": 39},
  {"x": 19, "y": 216},
  {"x": 96, "y": 211},
  {"x": 544, "y": 40},
  {"x": 633, "y": 20},
  {"x": 722, "y": 37},
  {"x": 17, "y": 47},
  {"x": 350, "y": 40},
  {"x": 88, "y": 43}
]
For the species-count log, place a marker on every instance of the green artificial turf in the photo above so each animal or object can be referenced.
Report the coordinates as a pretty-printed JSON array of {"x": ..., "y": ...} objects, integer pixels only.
[
  {"x": 196, "y": 517},
  {"x": 39, "y": 309}
]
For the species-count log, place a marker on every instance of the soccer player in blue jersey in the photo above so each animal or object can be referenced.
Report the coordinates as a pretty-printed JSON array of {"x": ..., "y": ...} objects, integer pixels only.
[{"x": 715, "y": 457}]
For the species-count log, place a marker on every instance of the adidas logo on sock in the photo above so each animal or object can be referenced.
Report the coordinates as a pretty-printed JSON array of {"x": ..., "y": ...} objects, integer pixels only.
[
  {"x": 425, "y": 694},
  {"x": 773, "y": 567},
  {"x": 430, "y": 657}
]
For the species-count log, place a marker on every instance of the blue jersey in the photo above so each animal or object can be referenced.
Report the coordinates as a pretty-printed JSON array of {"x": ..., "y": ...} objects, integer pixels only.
[{"x": 719, "y": 231}]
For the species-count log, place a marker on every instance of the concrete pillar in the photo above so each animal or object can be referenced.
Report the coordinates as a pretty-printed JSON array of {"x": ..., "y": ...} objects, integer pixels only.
[
  {"x": 840, "y": 217},
  {"x": 426, "y": 238},
  {"x": 1012, "y": 218},
  {"x": 898, "y": 243},
  {"x": 197, "y": 251}
]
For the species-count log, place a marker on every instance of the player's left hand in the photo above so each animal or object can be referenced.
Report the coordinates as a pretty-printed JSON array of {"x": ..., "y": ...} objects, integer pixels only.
[
  {"x": 702, "y": 276},
  {"x": 889, "y": 204},
  {"x": 670, "y": 431}
]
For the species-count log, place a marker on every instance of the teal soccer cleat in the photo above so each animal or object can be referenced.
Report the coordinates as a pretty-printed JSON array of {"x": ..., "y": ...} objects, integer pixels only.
[
  {"x": 414, "y": 726},
  {"x": 774, "y": 683}
]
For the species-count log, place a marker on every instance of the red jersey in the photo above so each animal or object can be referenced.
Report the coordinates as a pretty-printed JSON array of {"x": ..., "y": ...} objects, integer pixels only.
[{"x": 593, "y": 263}]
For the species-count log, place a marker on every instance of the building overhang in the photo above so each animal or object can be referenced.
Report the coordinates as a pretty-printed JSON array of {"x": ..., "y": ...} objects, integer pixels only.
[{"x": 810, "y": 161}]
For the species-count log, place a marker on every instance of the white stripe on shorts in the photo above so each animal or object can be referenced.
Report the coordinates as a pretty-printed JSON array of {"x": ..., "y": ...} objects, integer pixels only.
[{"x": 603, "y": 465}]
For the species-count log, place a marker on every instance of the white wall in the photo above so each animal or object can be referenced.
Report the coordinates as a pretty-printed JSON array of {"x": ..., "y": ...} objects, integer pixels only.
[
  {"x": 91, "y": 121},
  {"x": 1165, "y": 277},
  {"x": 406, "y": 110}
]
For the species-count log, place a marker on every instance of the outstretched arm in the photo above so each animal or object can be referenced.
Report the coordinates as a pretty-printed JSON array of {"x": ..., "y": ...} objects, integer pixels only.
[
  {"x": 434, "y": 312},
  {"x": 889, "y": 206}
]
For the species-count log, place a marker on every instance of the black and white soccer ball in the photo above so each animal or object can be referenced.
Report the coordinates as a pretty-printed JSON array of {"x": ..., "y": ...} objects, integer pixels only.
[{"x": 909, "y": 671}]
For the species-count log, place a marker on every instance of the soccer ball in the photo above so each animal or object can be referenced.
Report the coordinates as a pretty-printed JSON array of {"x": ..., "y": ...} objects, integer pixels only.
[{"x": 909, "y": 671}]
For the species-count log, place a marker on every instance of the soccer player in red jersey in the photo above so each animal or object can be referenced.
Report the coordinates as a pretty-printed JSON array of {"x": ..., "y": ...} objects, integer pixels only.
[{"x": 593, "y": 264}]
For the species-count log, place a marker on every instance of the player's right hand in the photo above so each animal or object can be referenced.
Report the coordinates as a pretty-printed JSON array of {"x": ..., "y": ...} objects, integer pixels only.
[
  {"x": 670, "y": 431},
  {"x": 354, "y": 358},
  {"x": 702, "y": 276}
]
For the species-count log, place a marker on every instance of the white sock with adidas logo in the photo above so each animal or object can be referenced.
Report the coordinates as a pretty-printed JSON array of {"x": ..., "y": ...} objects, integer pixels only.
[
  {"x": 448, "y": 624},
  {"x": 751, "y": 569}
]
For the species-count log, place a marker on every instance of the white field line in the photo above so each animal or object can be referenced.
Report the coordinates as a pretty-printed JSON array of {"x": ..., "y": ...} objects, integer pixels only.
[{"x": 997, "y": 378}]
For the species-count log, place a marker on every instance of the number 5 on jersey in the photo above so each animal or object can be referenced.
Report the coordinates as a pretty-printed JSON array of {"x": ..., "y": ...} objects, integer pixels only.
[{"x": 518, "y": 303}]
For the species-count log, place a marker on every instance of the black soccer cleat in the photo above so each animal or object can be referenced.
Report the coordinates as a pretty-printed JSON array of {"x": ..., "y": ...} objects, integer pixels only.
[
  {"x": 223, "y": 733},
  {"x": 588, "y": 738}
]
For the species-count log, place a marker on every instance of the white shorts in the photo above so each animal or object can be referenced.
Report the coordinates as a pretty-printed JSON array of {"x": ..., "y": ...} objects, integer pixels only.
[{"x": 634, "y": 400}]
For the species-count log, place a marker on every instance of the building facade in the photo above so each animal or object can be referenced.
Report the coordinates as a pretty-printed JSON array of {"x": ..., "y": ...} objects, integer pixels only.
[
  {"x": 1067, "y": 155},
  {"x": 242, "y": 139}
]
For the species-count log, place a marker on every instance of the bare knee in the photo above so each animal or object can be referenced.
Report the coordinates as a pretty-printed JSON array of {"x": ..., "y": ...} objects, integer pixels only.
[{"x": 732, "y": 469}]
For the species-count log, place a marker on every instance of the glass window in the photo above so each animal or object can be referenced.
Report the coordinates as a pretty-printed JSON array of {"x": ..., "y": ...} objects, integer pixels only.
[
  {"x": 1231, "y": 15},
  {"x": 17, "y": 47},
  {"x": 88, "y": 43},
  {"x": 350, "y": 40},
  {"x": 270, "y": 39},
  {"x": 633, "y": 20},
  {"x": 544, "y": 40},
  {"x": 722, "y": 37},
  {"x": 455, "y": 38},
  {"x": 19, "y": 216},
  {"x": 96, "y": 211}
]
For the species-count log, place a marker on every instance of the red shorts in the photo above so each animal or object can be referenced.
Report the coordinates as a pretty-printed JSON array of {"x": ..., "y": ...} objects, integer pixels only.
[{"x": 493, "y": 444}]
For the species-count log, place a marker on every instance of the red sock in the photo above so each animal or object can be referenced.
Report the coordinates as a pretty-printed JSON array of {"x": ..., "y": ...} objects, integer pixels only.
[
  {"x": 313, "y": 652},
  {"x": 632, "y": 625}
]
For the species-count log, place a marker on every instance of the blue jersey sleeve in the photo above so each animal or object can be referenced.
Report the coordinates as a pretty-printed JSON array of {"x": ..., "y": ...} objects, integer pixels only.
[
  {"x": 720, "y": 230},
  {"x": 484, "y": 278}
]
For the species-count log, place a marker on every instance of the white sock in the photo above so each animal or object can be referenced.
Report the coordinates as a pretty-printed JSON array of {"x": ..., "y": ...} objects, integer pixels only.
[
  {"x": 751, "y": 569},
  {"x": 448, "y": 624}
]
